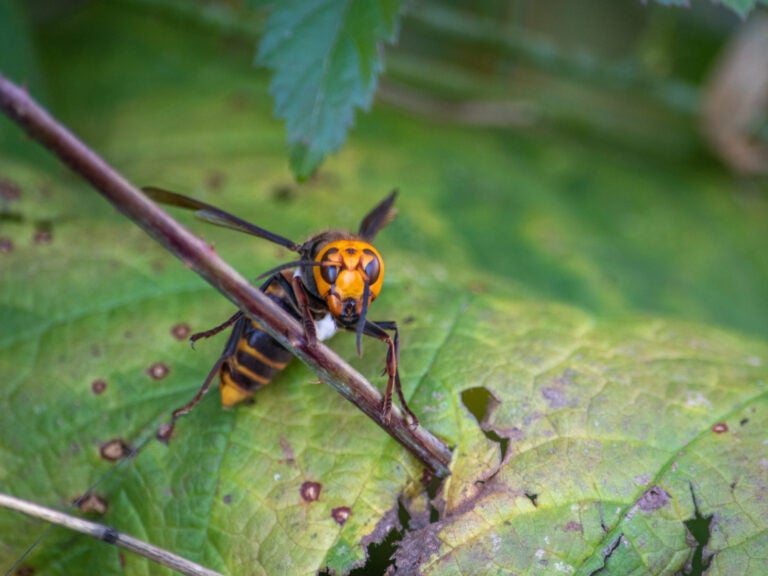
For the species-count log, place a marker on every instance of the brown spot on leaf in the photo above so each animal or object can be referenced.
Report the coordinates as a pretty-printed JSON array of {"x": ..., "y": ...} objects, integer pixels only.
[
  {"x": 92, "y": 504},
  {"x": 573, "y": 526},
  {"x": 9, "y": 190},
  {"x": 285, "y": 446},
  {"x": 720, "y": 428},
  {"x": 238, "y": 101},
  {"x": 555, "y": 397},
  {"x": 114, "y": 450},
  {"x": 653, "y": 499},
  {"x": 385, "y": 527},
  {"x": 98, "y": 386},
  {"x": 181, "y": 331},
  {"x": 24, "y": 571},
  {"x": 6, "y": 245},
  {"x": 284, "y": 193},
  {"x": 341, "y": 514},
  {"x": 227, "y": 499},
  {"x": 164, "y": 433},
  {"x": 310, "y": 491},
  {"x": 215, "y": 180},
  {"x": 42, "y": 235},
  {"x": 158, "y": 371}
]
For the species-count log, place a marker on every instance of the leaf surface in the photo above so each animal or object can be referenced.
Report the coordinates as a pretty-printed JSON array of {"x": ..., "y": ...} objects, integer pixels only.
[
  {"x": 326, "y": 57},
  {"x": 584, "y": 433},
  {"x": 615, "y": 437}
]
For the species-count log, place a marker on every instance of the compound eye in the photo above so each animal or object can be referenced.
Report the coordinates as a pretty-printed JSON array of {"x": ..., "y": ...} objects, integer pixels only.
[
  {"x": 373, "y": 268},
  {"x": 329, "y": 273}
]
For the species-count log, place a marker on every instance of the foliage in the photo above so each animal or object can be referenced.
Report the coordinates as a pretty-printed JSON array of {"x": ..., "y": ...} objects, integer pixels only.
[
  {"x": 326, "y": 58},
  {"x": 741, "y": 7},
  {"x": 570, "y": 319}
]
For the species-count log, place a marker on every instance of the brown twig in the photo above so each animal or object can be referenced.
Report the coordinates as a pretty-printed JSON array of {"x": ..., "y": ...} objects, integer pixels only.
[
  {"x": 106, "y": 534},
  {"x": 195, "y": 254}
]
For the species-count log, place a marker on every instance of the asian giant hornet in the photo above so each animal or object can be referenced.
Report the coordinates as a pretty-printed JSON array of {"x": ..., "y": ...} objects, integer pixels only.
[{"x": 334, "y": 281}]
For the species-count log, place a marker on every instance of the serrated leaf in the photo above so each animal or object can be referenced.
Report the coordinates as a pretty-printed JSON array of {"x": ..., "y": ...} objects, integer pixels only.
[
  {"x": 326, "y": 57},
  {"x": 741, "y": 7}
]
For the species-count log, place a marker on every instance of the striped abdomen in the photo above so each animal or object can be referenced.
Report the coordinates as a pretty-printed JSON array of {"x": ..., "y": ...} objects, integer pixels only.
[{"x": 252, "y": 358}]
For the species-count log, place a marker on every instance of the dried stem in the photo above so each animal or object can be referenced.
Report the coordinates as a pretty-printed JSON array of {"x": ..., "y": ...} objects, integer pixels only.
[
  {"x": 106, "y": 534},
  {"x": 195, "y": 254}
]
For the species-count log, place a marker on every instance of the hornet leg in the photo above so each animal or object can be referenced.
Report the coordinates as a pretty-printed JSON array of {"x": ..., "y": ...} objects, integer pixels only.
[{"x": 378, "y": 330}]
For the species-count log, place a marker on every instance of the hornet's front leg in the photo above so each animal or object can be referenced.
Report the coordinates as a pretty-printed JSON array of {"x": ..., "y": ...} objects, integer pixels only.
[
  {"x": 302, "y": 303},
  {"x": 378, "y": 330}
]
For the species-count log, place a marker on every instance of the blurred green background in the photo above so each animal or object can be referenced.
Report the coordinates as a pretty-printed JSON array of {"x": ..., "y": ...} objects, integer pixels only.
[{"x": 560, "y": 144}]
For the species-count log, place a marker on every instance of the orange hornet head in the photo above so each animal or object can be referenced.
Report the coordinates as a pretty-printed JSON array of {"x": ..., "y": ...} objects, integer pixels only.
[{"x": 348, "y": 278}]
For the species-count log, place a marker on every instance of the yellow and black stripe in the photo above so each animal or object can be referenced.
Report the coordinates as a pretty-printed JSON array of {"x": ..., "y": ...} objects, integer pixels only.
[{"x": 252, "y": 358}]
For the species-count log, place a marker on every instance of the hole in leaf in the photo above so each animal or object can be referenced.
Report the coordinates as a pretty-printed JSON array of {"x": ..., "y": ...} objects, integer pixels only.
[
  {"x": 433, "y": 488},
  {"x": 481, "y": 403},
  {"x": 534, "y": 498},
  {"x": 380, "y": 553},
  {"x": 699, "y": 527}
]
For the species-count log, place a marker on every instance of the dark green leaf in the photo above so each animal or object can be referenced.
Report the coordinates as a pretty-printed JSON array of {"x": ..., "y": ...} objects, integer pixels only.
[
  {"x": 326, "y": 57},
  {"x": 741, "y": 7}
]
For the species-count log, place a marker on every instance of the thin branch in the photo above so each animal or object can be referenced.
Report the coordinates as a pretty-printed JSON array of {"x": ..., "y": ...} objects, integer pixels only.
[
  {"x": 195, "y": 254},
  {"x": 106, "y": 534}
]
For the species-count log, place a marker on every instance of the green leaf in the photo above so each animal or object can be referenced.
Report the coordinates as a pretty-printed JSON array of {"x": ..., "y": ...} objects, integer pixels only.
[
  {"x": 107, "y": 311},
  {"x": 741, "y": 7},
  {"x": 326, "y": 58},
  {"x": 616, "y": 435},
  {"x": 571, "y": 423}
]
